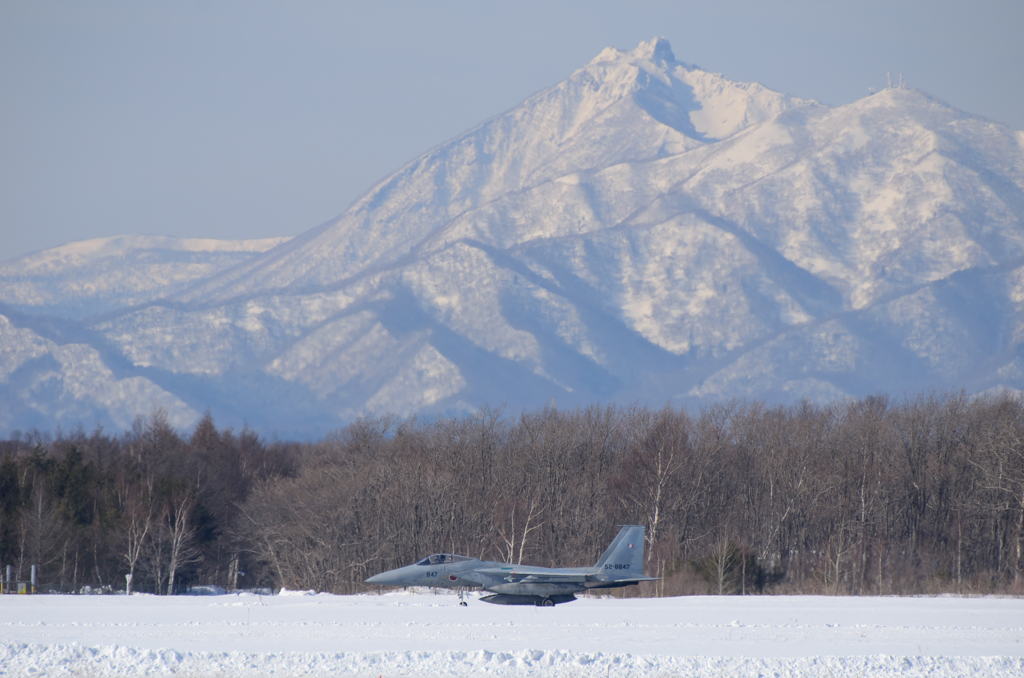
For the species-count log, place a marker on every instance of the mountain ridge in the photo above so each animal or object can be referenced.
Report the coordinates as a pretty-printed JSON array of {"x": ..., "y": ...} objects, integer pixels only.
[
  {"x": 643, "y": 230},
  {"x": 624, "y": 71},
  {"x": 103, "y": 274}
]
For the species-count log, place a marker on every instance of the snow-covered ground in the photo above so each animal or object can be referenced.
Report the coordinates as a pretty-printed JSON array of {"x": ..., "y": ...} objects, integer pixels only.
[{"x": 423, "y": 634}]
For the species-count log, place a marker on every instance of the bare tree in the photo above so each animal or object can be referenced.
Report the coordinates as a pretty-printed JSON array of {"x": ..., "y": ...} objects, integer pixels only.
[
  {"x": 836, "y": 554},
  {"x": 656, "y": 463},
  {"x": 181, "y": 533},
  {"x": 137, "y": 509},
  {"x": 42, "y": 529},
  {"x": 511, "y": 537},
  {"x": 721, "y": 564}
]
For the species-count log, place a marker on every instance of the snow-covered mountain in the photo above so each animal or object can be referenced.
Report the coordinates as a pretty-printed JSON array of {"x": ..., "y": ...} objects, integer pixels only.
[
  {"x": 644, "y": 230},
  {"x": 94, "y": 276},
  {"x": 53, "y": 369}
]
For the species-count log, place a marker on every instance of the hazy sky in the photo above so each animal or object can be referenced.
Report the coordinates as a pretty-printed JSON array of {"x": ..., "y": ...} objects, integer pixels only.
[{"x": 256, "y": 119}]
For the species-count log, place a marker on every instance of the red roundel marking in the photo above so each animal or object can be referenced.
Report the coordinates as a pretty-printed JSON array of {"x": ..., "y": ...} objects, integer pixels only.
[{"x": 452, "y": 577}]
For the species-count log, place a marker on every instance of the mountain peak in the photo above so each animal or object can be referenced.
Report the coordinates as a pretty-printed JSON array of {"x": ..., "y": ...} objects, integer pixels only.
[{"x": 656, "y": 49}]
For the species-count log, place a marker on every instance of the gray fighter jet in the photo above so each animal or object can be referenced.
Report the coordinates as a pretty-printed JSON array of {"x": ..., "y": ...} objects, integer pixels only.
[{"x": 621, "y": 565}]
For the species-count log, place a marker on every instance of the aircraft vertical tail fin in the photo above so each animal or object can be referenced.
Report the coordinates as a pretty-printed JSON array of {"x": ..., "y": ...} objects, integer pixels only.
[{"x": 626, "y": 552}]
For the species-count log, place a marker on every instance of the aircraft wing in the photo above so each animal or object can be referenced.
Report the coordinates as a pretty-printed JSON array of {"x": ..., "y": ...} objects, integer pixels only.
[
  {"x": 520, "y": 573},
  {"x": 542, "y": 575},
  {"x": 616, "y": 580}
]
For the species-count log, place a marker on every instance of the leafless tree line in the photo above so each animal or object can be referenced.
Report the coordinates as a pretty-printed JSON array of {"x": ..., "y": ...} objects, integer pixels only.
[
  {"x": 90, "y": 509},
  {"x": 924, "y": 494},
  {"x": 872, "y": 496}
]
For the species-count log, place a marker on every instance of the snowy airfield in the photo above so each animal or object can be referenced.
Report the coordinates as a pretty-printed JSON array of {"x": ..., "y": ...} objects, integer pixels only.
[{"x": 423, "y": 634}]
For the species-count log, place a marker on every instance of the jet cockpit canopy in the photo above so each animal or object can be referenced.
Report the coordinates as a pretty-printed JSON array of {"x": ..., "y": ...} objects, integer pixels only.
[{"x": 443, "y": 559}]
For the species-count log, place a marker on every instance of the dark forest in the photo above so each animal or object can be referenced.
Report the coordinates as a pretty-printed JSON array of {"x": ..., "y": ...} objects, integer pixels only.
[{"x": 876, "y": 496}]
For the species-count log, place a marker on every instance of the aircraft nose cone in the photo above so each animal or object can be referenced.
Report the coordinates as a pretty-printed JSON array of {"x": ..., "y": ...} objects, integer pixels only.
[{"x": 390, "y": 578}]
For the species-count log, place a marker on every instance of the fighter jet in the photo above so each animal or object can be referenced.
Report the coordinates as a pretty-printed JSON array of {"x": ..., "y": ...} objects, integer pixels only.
[{"x": 621, "y": 565}]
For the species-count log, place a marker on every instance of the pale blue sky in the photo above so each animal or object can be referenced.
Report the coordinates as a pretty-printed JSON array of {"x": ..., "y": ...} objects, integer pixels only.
[{"x": 255, "y": 119}]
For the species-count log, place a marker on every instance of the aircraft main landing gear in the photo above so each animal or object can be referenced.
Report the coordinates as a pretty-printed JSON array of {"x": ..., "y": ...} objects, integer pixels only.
[{"x": 547, "y": 602}]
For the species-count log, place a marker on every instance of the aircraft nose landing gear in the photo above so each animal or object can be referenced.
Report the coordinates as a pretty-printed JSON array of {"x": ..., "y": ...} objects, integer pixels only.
[{"x": 462, "y": 598}]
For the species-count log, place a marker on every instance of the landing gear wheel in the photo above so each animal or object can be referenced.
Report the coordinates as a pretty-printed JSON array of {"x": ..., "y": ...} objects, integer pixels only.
[
  {"x": 547, "y": 602},
  {"x": 463, "y": 604}
]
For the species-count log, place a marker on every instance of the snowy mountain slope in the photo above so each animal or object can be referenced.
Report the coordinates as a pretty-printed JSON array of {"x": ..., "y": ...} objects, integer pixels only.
[
  {"x": 645, "y": 231},
  {"x": 53, "y": 369},
  {"x": 43, "y": 382},
  {"x": 621, "y": 107},
  {"x": 94, "y": 276}
]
